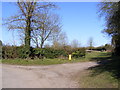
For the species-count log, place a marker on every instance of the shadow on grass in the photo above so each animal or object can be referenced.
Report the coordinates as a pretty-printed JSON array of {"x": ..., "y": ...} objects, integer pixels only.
[{"x": 106, "y": 62}]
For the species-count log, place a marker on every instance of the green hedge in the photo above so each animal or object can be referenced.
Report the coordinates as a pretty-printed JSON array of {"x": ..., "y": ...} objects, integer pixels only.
[
  {"x": 20, "y": 52},
  {"x": 12, "y": 52},
  {"x": 48, "y": 53}
]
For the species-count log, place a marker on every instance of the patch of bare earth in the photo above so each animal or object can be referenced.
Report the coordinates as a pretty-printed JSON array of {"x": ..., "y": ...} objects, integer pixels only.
[{"x": 51, "y": 76}]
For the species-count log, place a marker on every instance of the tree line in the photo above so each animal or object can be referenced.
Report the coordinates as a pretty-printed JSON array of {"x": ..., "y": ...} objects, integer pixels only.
[{"x": 111, "y": 12}]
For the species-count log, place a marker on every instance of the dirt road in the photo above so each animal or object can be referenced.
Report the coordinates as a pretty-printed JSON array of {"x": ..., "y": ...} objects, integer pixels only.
[{"x": 51, "y": 76}]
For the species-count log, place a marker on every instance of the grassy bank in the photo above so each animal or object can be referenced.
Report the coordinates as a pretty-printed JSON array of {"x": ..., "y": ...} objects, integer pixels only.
[{"x": 105, "y": 75}]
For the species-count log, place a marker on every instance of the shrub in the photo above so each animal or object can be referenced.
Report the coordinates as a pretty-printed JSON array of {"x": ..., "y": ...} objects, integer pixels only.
[
  {"x": 48, "y": 53},
  {"x": 21, "y": 52},
  {"x": 79, "y": 52},
  {"x": 9, "y": 52},
  {"x": 13, "y": 52}
]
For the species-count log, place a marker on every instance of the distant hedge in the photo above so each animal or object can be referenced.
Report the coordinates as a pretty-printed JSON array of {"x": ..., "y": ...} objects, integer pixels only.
[{"x": 20, "y": 52}]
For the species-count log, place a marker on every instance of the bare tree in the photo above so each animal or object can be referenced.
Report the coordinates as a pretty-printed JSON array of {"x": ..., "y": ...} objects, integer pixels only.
[
  {"x": 63, "y": 39},
  {"x": 90, "y": 43},
  {"x": 47, "y": 27},
  {"x": 26, "y": 18},
  {"x": 60, "y": 41},
  {"x": 75, "y": 44}
]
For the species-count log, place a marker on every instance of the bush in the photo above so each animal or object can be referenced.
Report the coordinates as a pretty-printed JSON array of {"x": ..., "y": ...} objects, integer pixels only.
[
  {"x": 22, "y": 52},
  {"x": 14, "y": 52},
  {"x": 48, "y": 53},
  {"x": 9, "y": 52},
  {"x": 79, "y": 52}
]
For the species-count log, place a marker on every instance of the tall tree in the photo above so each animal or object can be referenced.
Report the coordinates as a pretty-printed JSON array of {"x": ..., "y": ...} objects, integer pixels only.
[
  {"x": 111, "y": 12},
  {"x": 75, "y": 44},
  {"x": 26, "y": 18},
  {"x": 48, "y": 27},
  {"x": 59, "y": 40}
]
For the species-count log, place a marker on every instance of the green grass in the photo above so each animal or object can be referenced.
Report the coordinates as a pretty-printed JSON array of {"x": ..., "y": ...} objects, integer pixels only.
[
  {"x": 39, "y": 61},
  {"x": 92, "y": 55},
  {"x": 105, "y": 75},
  {"x": 102, "y": 80}
]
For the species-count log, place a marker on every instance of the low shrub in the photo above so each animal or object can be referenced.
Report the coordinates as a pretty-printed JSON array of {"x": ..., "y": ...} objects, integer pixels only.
[
  {"x": 79, "y": 52},
  {"x": 48, "y": 53},
  {"x": 9, "y": 52},
  {"x": 14, "y": 52}
]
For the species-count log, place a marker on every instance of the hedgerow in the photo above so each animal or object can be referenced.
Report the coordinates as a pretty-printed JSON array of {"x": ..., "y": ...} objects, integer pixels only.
[{"x": 20, "y": 52}]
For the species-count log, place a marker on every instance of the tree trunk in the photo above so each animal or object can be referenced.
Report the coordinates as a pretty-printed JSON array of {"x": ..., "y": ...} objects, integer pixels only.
[
  {"x": 117, "y": 47},
  {"x": 27, "y": 36},
  {"x": 41, "y": 45}
]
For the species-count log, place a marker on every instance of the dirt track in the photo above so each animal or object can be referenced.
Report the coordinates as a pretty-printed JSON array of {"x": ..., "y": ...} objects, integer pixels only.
[{"x": 51, "y": 76}]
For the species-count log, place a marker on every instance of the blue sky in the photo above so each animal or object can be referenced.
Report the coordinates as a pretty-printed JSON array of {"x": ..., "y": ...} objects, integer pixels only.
[{"x": 79, "y": 19}]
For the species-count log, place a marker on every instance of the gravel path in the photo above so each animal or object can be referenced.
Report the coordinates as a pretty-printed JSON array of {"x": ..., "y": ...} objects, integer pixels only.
[{"x": 51, "y": 76}]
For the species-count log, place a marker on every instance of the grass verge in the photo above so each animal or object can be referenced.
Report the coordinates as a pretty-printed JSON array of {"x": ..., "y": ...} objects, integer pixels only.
[
  {"x": 103, "y": 80},
  {"x": 105, "y": 75},
  {"x": 40, "y": 61}
]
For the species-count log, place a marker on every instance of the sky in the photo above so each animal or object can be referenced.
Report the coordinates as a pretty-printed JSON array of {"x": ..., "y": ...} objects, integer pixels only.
[{"x": 79, "y": 20}]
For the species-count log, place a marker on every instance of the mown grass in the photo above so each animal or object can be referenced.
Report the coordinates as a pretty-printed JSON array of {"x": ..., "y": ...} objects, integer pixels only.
[{"x": 105, "y": 75}]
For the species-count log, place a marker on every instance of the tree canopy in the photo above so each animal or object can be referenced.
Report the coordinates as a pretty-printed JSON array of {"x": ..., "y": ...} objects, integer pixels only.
[{"x": 111, "y": 12}]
